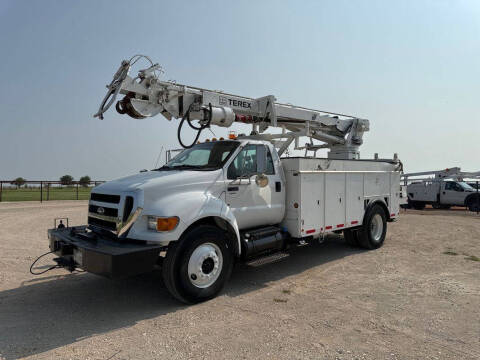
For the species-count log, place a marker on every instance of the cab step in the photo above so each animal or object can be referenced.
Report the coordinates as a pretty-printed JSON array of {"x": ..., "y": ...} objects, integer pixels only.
[{"x": 267, "y": 259}]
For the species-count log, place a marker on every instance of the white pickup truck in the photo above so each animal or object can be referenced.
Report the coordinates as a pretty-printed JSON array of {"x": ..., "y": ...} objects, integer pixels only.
[
  {"x": 442, "y": 194},
  {"x": 225, "y": 200}
]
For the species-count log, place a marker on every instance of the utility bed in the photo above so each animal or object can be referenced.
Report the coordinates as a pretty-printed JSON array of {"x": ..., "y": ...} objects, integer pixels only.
[
  {"x": 325, "y": 195},
  {"x": 102, "y": 255}
]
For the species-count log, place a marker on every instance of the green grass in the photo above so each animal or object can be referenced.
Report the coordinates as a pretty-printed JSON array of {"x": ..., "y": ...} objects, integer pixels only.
[
  {"x": 450, "y": 252},
  {"x": 54, "y": 193},
  {"x": 473, "y": 258}
]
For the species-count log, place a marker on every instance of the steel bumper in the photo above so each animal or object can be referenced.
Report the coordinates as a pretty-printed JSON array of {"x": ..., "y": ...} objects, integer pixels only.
[{"x": 101, "y": 255}]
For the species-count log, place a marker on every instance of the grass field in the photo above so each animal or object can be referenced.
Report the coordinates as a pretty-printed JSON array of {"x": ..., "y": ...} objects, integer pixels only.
[{"x": 53, "y": 193}]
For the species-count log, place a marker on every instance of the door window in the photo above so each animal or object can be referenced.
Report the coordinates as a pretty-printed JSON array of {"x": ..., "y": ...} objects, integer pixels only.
[
  {"x": 245, "y": 164},
  {"x": 253, "y": 159},
  {"x": 270, "y": 169}
]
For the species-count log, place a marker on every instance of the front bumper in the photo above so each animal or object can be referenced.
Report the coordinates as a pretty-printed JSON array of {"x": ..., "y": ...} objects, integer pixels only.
[{"x": 101, "y": 255}]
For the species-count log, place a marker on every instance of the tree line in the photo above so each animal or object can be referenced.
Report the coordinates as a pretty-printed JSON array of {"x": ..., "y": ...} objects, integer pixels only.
[{"x": 64, "y": 180}]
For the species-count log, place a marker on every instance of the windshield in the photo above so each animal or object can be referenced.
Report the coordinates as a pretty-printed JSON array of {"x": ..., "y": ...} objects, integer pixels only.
[
  {"x": 465, "y": 186},
  {"x": 205, "y": 156}
]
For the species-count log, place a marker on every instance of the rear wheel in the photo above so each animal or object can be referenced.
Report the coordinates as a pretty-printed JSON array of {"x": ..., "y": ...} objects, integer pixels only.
[
  {"x": 374, "y": 229},
  {"x": 197, "y": 267}
]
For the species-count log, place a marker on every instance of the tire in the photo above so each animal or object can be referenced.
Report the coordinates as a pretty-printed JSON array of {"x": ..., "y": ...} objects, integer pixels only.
[
  {"x": 197, "y": 266},
  {"x": 474, "y": 207},
  {"x": 437, "y": 206},
  {"x": 351, "y": 237},
  {"x": 374, "y": 229},
  {"x": 418, "y": 206},
  {"x": 446, "y": 207}
]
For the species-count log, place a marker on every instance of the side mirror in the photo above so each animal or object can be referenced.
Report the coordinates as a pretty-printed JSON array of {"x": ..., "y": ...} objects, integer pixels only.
[{"x": 261, "y": 180}]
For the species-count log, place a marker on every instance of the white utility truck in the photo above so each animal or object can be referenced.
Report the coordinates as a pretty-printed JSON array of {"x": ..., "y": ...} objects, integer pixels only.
[
  {"x": 442, "y": 189},
  {"x": 225, "y": 200}
]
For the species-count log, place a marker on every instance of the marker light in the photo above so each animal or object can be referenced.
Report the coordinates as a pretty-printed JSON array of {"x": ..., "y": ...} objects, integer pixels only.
[
  {"x": 231, "y": 135},
  {"x": 162, "y": 224}
]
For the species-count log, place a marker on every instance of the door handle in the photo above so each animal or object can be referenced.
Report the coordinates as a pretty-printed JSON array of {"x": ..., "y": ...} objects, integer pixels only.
[
  {"x": 278, "y": 186},
  {"x": 232, "y": 188}
]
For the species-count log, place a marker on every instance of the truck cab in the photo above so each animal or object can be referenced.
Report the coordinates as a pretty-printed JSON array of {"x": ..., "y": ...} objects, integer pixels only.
[
  {"x": 454, "y": 192},
  {"x": 236, "y": 182}
]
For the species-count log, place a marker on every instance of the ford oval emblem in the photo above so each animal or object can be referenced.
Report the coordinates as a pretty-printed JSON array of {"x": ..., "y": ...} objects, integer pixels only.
[{"x": 100, "y": 210}]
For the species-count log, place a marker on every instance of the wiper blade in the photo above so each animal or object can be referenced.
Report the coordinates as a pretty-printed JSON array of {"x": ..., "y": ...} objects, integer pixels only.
[
  {"x": 165, "y": 167},
  {"x": 187, "y": 167}
]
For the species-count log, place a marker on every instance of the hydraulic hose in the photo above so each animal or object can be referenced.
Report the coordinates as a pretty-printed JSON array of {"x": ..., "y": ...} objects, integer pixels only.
[{"x": 199, "y": 129}]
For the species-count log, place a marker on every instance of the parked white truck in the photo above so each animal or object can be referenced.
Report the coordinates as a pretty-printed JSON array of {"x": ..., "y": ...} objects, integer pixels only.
[
  {"x": 225, "y": 200},
  {"x": 441, "y": 189}
]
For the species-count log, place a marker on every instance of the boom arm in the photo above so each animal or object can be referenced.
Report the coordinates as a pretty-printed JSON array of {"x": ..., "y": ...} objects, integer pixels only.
[
  {"x": 146, "y": 95},
  {"x": 454, "y": 173}
]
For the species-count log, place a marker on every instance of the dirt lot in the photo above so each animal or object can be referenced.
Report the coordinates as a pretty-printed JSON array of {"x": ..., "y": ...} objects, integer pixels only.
[{"x": 415, "y": 298}]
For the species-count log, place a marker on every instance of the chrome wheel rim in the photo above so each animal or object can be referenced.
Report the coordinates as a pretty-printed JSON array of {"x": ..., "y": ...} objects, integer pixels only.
[
  {"x": 205, "y": 265},
  {"x": 376, "y": 227}
]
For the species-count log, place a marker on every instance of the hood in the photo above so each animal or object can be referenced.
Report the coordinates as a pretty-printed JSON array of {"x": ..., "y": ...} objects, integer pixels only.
[{"x": 169, "y": 179}]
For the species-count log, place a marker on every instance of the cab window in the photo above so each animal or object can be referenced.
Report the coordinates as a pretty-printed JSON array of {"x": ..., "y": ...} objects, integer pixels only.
[
  {"x": 253, "y": 159},
  {"x": 245, "y": 164},
  {"x": 270, "y": 169}
]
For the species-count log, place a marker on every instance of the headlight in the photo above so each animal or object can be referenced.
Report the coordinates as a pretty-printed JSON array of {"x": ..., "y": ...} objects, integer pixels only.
[{"x": 163, "y": 223}]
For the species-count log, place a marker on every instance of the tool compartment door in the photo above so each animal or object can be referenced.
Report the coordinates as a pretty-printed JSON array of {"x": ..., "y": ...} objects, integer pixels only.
[
  {"x": 354, "y": 199},
  {"x": 334, "y": 201},
  {"x": 312, "y": 203}
]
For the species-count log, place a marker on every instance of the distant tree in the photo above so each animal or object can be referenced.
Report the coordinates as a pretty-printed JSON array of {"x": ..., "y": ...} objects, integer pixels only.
[
  {"x": 66, "y": 180},
  {"x": 84, "y": 180},
  {"x": 19, "y": 181}
]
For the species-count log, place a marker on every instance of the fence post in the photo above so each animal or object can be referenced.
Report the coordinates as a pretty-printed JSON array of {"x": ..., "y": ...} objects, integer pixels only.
[
  {"x": 1, "y": 189},
  {"x": 77, "y": 190},
  {"x": 48, "y": 191},
  {"x": 41, "y": 191},
  {"x": 478, "y": 200}
]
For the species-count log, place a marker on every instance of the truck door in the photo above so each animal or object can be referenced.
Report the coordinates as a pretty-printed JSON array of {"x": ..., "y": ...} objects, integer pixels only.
[
  {"x": 255, "y": 191},
  {"x": 452, "y": 194}
]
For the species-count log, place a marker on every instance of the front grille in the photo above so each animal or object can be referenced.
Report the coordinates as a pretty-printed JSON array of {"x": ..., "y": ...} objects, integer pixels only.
[
  {"x": 128, "y": 207},
  {"x": 114, "y": 199},
  {"x": 102, "y": 223},
  {"x": 106, "y": 211}
]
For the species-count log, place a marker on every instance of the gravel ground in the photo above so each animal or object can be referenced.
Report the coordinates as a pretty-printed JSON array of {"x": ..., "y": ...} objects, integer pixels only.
[{"x": 415, "y": 298}]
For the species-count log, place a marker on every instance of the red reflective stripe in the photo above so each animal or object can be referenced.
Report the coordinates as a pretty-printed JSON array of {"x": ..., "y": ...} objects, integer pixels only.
[
  {"x": 354, "y": 222},
  {"x": 340, "y": 225},
  {"x": 310, "y": 231},
  {"x": 392, "y": 214},
  {"x": 328, "y": 227}
]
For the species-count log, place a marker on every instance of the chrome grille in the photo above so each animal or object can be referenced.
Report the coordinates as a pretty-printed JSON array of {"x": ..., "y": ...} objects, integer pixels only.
[{"x": 115, "y": 217}]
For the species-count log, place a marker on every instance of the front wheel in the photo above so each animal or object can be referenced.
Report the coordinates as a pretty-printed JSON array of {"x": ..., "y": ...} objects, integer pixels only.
[
  {"x": 197, "y": 267},
  {"x": 374, "y": 229}
]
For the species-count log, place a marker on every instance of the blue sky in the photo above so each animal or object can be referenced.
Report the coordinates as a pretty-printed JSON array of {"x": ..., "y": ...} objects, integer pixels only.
[{"x": 411, "y": 67}]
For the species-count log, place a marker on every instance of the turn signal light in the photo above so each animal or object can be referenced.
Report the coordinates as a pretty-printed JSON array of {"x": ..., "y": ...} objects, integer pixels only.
[
  {"x": 162, "y": 223},
  {"x": 231, "y": 135}
]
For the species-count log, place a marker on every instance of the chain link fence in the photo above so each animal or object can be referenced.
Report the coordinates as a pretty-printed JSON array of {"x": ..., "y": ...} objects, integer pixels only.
[{"x": 45, "y": 190}]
